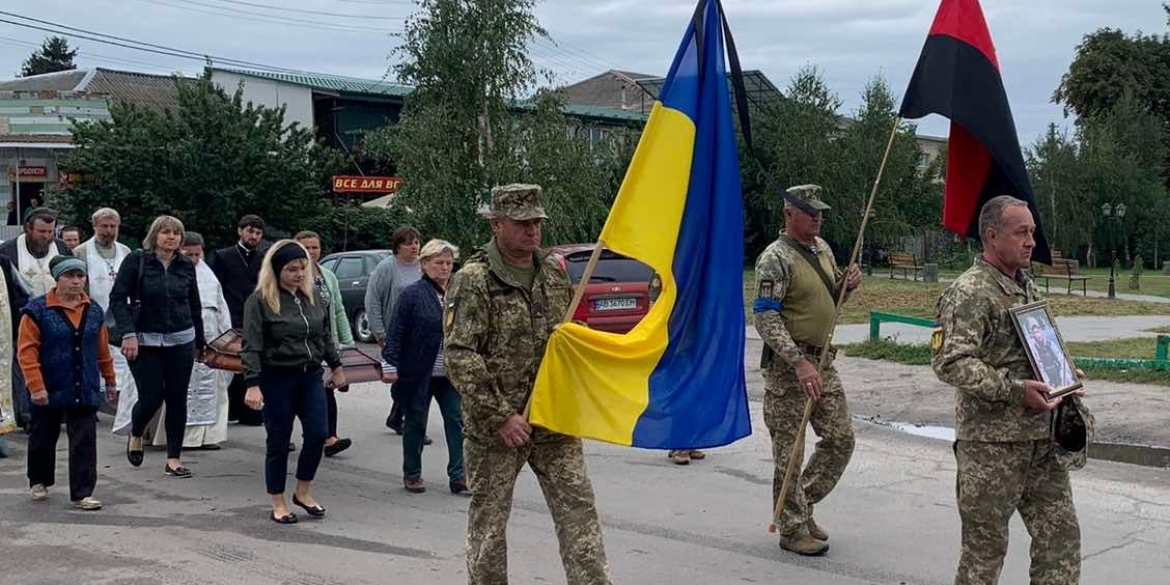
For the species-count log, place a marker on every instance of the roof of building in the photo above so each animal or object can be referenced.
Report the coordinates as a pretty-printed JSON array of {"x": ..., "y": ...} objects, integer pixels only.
[
  {"x": 157, "y": 92},
  {"x": 337, "y": 83},
  {"x": 758, "y": 87},
  {"x": 56, "y": 81}
]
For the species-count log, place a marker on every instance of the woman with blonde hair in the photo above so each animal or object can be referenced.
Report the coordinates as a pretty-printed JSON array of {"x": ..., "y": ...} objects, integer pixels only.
[
  {"x": 158, "y": 315},
  {"x": 286, "y": 337},
  {"x": 414, "y": 365}
]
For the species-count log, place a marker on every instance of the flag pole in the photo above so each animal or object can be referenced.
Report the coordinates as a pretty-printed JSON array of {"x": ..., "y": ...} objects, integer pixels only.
[
  {"x": 578, "y": 295},
  {"x": 798, "y": 444}
]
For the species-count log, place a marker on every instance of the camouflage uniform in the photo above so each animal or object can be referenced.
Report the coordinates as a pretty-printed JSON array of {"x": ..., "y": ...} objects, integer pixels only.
[
  {"x": 792, "y": 310},
  {"x": 1006, "y": 458},
  {"x": 496, "y": 332}
]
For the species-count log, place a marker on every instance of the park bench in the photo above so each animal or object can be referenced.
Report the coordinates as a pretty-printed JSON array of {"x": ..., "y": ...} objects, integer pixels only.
[
  {"x": 1065, "y": 269},
  {"x": 906, "y": 262}
]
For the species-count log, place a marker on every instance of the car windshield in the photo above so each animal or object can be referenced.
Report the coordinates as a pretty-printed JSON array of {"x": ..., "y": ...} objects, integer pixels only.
[{"x": 611, "y": 267}]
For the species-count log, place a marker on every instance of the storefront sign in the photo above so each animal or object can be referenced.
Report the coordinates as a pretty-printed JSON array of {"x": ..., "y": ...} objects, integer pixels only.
[
  {"x": 359, "y": 184},
  {"x": 30, "y": 174}
]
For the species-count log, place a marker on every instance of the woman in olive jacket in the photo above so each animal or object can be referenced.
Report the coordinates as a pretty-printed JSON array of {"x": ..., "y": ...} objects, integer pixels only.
[{"x": 286, "y": 337}]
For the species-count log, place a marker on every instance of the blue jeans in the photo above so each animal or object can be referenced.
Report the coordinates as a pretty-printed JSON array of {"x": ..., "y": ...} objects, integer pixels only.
[
  {"x": 415, "y": 431},
  {"x": 292, "y": 393}
]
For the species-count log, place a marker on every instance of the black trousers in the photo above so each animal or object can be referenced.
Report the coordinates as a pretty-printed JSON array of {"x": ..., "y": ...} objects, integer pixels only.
[
  {"x": 289, "y": 394},
  {"x": 237, "y": 410},
  {"x": 163, "y": 375},
  {"x": 45, "y": 429}
]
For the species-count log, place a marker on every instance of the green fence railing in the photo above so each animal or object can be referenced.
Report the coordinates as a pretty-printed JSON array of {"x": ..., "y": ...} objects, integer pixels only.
[{"x": 1161, "y": 359}]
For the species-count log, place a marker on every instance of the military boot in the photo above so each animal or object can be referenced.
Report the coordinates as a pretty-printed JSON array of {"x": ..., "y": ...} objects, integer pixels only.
[
  {"x": 802, "y": 543},
  {"x": 816, "y": 531}
]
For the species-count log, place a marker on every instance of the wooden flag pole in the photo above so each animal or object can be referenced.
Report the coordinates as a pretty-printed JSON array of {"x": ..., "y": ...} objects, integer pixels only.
[
  {"x": 797, "y": 446},
  {"x": 578, "y": 295}
]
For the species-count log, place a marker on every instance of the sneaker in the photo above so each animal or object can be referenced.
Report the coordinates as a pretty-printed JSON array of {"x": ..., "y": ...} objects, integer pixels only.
[
  {"x": 460, "y": 488},
  {"x": 680, "y": 457},
  {"x": 816, "y": 531},
  {"x": 88, "y": 504},
  {"x": 802, "y": 543},
  {"x": 40, "y": 493}
]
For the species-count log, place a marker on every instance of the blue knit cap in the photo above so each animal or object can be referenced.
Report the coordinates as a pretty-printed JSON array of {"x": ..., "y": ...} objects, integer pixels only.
[{"x": 66, "y": 264}]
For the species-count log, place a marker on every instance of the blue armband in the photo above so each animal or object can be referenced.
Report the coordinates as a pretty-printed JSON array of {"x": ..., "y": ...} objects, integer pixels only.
[{"x": 761, "y": 305}]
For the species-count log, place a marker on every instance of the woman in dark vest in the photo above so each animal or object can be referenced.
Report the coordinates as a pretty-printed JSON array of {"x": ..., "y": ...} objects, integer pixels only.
[
  {"x": 163, "y": 338},
  {"x": 286, "y": 337},
  {"x": 65, "y": 355},
  {"x": 414, "y": 365}
]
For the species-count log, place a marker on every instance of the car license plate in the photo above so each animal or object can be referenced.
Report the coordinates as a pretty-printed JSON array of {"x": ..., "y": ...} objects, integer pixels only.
[{"x": 622, "y": 304}]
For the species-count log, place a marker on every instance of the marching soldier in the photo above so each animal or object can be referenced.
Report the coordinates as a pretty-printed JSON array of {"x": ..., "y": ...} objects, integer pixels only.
[
  {"x": 1007, "y": 459},
  {"x": 796, "y": 291},
  {"x": 501, "y": 308}
]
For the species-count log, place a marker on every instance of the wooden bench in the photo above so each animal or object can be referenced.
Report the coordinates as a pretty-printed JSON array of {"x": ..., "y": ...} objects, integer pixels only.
[
  {"x": 1066, "y": 269},
  {"x": 906, "y": 262}
]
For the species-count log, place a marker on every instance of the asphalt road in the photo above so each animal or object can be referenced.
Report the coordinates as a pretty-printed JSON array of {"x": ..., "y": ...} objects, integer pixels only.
[{"x": 892, "y": 520}]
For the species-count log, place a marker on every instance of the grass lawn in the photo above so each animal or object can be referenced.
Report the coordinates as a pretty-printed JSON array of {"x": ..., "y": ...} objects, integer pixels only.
[
  {"x": 1134, "y": 348},
  {"x": 918, "y": 299}
]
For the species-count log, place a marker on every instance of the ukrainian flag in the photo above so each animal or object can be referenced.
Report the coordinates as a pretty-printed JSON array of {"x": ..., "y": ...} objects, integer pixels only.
[{"x": 677, "y": 379}]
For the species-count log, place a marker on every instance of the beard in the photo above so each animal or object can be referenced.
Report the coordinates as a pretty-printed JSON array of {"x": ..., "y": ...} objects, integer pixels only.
[{"x": 37, "y": 249}]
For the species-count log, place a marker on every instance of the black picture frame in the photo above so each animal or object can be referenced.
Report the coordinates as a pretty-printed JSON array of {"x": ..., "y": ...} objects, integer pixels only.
[{"x": 1044, "y": 345}]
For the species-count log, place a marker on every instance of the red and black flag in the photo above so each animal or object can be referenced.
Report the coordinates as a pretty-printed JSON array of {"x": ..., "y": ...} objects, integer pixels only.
[{"x": 958, "y": 77}]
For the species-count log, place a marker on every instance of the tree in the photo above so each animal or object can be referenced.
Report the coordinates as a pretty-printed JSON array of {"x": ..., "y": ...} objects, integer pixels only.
[
  {"x": 1110, "y": 65},
  {"x": 1055, "y": 168},
  {"x": 208, "y": 162},
  {"x": 54, "y": 55},
  {"x": 793, "y": 146},
  {"x": 466, "y": 128}
]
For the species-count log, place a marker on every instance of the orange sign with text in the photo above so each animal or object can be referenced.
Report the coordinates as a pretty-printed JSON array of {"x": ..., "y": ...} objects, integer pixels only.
[{"x": 359, "y": 184}]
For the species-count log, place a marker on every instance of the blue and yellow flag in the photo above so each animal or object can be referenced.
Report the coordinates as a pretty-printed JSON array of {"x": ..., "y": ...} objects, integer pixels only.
[{"x": 677, "y": 379}]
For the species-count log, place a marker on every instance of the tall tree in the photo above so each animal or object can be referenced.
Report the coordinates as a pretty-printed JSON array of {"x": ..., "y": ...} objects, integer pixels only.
[
  {"x": 208, "y": 162},
  {"x": 54, "y": 55},
  {"x": 1054, "y": 165},
  {"x": 466, "y": 127},
  {"x": 793, "y": 146}
]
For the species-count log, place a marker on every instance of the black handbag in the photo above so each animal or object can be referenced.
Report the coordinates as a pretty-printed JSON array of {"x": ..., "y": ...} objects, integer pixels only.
[{"x": 115, "y": 333}]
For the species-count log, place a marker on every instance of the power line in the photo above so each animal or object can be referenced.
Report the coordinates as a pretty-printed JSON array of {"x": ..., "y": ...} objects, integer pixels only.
[
  {"x": 88, "y": 54},
  {"x": 304, "y": 11},
  {"x": 89, "y": 35},
  {"x": 262, "y": 17}
]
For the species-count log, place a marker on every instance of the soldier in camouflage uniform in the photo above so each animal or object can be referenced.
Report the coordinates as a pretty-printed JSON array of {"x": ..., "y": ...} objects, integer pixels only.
[
  {"x": 501, "y": 308},
  {"x": 794, "y": 311},
  {"x": 1005, "y": 454}
]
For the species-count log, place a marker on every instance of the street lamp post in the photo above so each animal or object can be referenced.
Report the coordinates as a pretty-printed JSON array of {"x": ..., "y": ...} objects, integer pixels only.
[{"x": 1114, "y": 215}]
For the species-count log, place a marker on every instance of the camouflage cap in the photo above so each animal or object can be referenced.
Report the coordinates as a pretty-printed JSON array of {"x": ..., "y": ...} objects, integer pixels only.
[
  {"x": 518, "y": 202},
  {"x": 1073, "y": 428},
  {"x": 807, "y": 198}
]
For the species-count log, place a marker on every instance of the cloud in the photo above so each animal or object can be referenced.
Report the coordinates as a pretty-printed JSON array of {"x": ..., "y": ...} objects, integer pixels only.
[{"x": 850, "y": 40}]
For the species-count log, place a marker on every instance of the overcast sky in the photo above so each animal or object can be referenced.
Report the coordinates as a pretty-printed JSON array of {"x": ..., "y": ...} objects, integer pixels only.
[{"x": 850, "y": 40}]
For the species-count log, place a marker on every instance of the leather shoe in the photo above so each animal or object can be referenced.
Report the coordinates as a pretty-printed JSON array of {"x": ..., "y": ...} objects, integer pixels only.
[
  {"x": 133, "y": 456},
  {"x": 314, "y": 511},
  {"x": 289, "y": 518}
]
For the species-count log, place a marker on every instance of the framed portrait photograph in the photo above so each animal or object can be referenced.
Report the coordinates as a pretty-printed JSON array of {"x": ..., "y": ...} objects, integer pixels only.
[{"x": 1045, "y": 348}]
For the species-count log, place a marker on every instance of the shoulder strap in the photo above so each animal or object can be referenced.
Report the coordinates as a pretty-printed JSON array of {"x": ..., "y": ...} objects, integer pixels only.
[
  {"x": 812, "y": 261},
  {"x": 141, "y": 270}
]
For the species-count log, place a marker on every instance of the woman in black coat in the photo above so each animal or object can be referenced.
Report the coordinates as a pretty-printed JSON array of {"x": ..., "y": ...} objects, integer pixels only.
[
  {"x": 159, "y": 317},
  {"x": 414, "y": 357}
]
